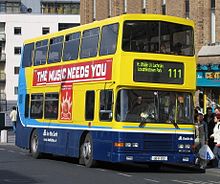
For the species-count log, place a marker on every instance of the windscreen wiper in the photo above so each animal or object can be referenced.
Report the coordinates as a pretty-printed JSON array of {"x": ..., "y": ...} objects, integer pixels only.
[{"x": 174, "y": 124}]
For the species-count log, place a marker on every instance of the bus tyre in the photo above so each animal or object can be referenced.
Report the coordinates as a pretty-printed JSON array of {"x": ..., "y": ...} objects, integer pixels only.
[
  {"x": 34, "y": 145},
  {"x": 86, "y": 152}
]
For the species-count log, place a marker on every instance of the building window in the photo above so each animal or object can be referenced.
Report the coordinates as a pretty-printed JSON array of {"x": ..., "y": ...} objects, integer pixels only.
[
  {"x": 2, "y": 7},
  {"x": 16, "y": 70},
  {"x": 45, "y": 30},
  {"x": 187, "y": 9},
  {"x": 60, "y": 8},
  {"x": 17, "y": 30},
  {"x": 62, "y": 26},
  {"x": 212, "y": 21},
  {"x": 15, "y": 90},
  {"x": 17, "y": 50},
  {"x": 10, "y": 7},
  {"x": 164, "y": 7}
]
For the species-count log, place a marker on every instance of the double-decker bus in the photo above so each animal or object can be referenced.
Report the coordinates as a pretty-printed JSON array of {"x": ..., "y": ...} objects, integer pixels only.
[{"x": 115, "y": 90}]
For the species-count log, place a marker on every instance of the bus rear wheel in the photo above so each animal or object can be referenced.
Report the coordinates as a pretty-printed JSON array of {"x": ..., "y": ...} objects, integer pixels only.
[
  {"x": 34, "y": 146},
  {"x": 86, "y": 152}
]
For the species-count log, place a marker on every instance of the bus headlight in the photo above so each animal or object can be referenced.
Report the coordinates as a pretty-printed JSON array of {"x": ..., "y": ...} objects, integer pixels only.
[
  {"x": 131, "y": 144},
  {"x": 180, "y": 146},
  {"x": 187, "y": 146}
]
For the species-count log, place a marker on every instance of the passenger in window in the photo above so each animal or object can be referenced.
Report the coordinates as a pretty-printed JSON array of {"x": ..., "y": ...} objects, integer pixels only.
[
  {"x": 144, "y": 110},
  {"x": 163, "y": 48},
  {"x": 178, "y": 48}
]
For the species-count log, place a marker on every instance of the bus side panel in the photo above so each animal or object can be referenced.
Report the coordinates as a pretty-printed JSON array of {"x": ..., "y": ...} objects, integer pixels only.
[
  {"x": 62, "y": 142},
  {"x": 22, "y": 135},
  {"x": 73, "y": 144},
  {"x": 102, "y": 142}
]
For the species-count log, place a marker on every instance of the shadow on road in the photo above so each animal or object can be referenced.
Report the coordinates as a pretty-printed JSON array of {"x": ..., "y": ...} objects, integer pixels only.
[{"x": 132, "y": 167}]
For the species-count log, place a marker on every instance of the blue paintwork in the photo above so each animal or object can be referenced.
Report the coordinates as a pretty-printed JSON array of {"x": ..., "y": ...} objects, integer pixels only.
[{"x": 65, "y": 139}]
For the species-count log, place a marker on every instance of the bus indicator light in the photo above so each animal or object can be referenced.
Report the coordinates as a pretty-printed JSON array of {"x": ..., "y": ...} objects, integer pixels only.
[{"x": 119, "y": 144}]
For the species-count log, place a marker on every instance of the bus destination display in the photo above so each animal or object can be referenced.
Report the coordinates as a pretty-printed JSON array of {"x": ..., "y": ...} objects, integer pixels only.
[{"x": 158, "y": 72}]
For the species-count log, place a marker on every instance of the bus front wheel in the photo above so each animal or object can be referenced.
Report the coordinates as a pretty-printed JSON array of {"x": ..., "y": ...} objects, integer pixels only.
[
  {"x": 86, "y": 152},
  {"x": 34, "y": 145}
]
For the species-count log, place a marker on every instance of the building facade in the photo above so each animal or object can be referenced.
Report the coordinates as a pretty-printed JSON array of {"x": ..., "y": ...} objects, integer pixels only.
[
  {"x": 205, "y": 14},
  {"x": 21, "y": 20}
]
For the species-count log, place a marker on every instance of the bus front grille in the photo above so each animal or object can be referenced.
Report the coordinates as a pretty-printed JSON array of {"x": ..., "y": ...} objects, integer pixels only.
[{"x": 158, "y": 142}]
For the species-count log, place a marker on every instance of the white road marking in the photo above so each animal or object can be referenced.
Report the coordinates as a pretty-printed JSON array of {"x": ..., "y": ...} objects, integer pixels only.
[
  {"x": 103, "y": 170},
  {"x": 122, "y": 174},
  {"x": 179, "y": 181},
  {"x": 11, "y": 151},
  {"x": 147, "y": 179}
]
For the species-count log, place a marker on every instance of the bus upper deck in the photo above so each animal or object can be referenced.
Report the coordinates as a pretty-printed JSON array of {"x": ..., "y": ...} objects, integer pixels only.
[{"x": 98, "y": 49}]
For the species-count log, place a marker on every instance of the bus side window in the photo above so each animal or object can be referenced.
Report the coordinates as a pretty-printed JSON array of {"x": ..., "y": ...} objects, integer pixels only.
[
  {"x": 28, "y": 55},
  {"x": 89, "y": 105},
  {"x": 26, "y": 108},
  {"x": 89, "y": 44},
  {"x": 71, "y": 47},
  {"x": 41, "y": 52},
  {"x": 106, "y": 101},
  {"x": 36, "y": 111},
  {"x": 55, "y": 49},
  {"x": 109, "y": 39},
  {"x": 51, "y": 105}
]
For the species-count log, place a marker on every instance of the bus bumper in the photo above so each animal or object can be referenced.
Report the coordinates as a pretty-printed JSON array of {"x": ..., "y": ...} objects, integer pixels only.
[{"x": 165, "y": 158}]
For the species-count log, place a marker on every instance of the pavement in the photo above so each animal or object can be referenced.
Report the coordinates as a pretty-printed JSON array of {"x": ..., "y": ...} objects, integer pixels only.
[{"x": 11, "y": 138}]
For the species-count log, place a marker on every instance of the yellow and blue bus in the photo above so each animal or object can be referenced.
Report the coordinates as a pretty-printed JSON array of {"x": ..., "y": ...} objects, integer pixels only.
[{"x": 115, "y": 90}]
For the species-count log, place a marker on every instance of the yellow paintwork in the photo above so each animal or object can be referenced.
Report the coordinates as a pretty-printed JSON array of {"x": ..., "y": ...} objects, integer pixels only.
[{"x": 122, "y": 76}]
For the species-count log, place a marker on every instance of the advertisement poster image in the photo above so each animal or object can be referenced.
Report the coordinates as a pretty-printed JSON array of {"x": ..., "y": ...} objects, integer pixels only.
[{"x": 66, "y": 102}]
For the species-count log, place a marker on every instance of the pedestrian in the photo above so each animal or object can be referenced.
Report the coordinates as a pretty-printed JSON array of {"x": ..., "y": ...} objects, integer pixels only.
[
  {"x": 209, "y": 119},
  {"x": 13, "y": 116},
  {"x": 217, "y": 110},
  {"x": 216, "y": 136},
  {"x": 201, "y": 135}
]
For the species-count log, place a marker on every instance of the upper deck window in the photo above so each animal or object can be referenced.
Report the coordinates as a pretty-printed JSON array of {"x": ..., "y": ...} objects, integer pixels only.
[
  {"x": 109, "y": 39},
  {"x": 158, "y": 37},
  {"x": 55, "y": 50},
  {"x": 71, "y": 46},
  {"x": 41, "y": 52},
  {"x": 89, "y": 45},
  {"x": 28, "y": 55}
]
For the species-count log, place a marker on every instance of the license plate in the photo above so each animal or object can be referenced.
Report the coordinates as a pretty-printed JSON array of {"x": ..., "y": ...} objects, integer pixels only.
[{"x": 164, "y": 158}]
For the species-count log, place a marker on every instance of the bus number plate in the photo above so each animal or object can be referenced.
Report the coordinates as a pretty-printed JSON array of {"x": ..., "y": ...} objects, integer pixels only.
[{"x": 165, "y": 158}]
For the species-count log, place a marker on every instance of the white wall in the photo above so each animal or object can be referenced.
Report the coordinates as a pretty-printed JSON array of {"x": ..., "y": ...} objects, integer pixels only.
[{"x": 31, "y": 26}]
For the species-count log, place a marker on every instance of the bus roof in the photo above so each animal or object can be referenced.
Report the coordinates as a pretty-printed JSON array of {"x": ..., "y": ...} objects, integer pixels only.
[{"x": 111, "y": 20}]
